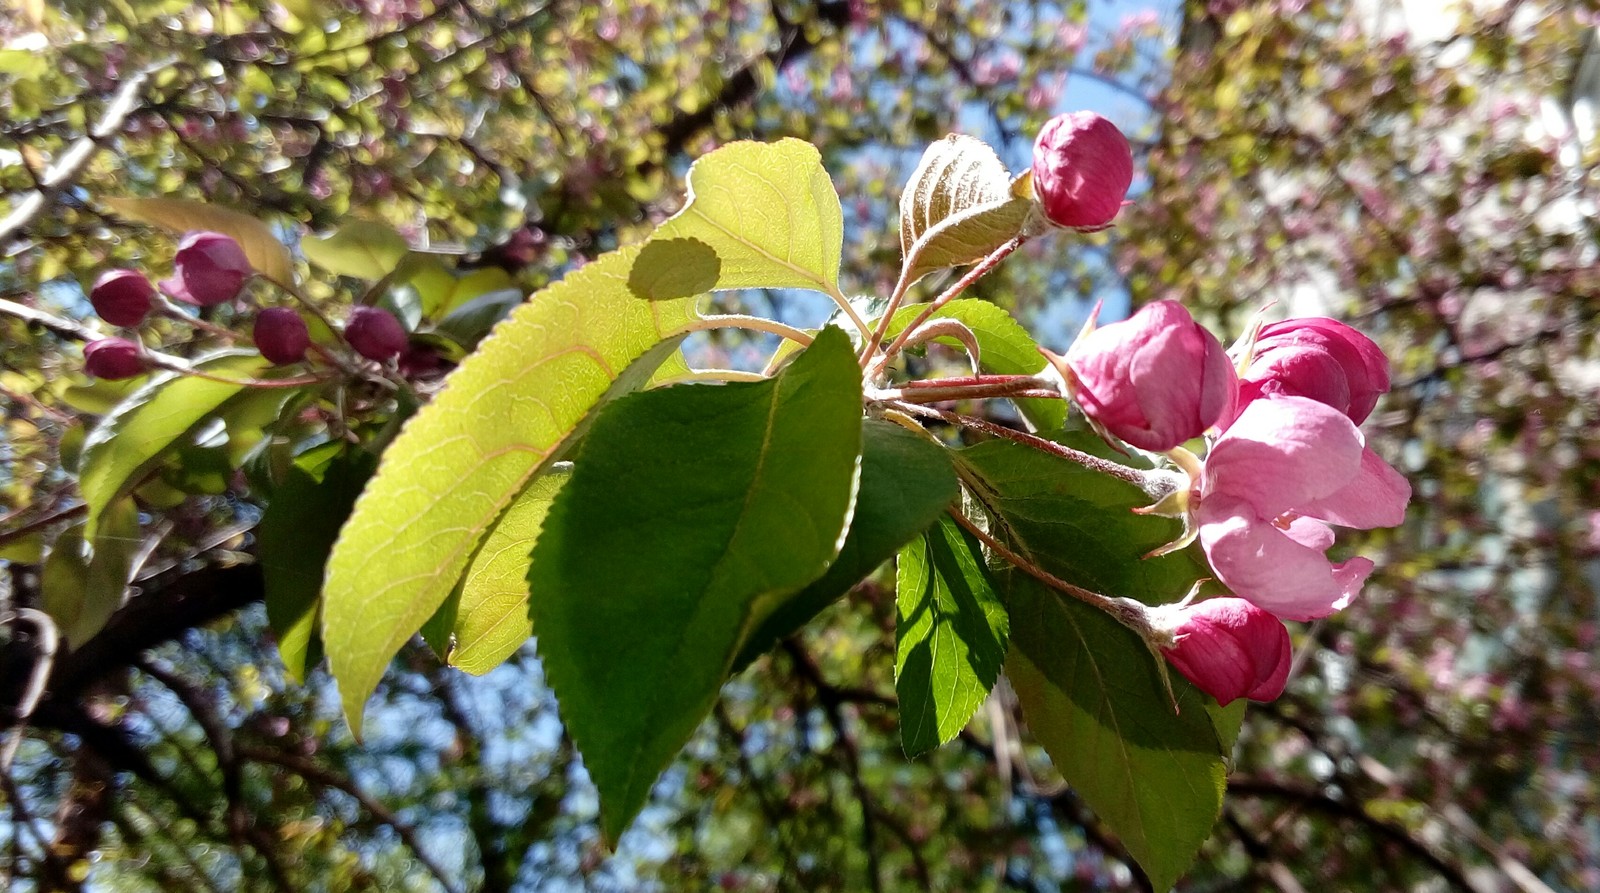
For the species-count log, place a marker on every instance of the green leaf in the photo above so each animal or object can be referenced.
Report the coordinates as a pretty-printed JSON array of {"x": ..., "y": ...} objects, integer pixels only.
[
  {"x": 503, "y": 413},
  {"x": 1006, "y": 347},
  {"x": 957, "y": 207},
  {"x": 180, "y": 215},
  {"x": 906, "y": 483},
  {"x": 294, "y": 538},
  {"x": 136, "y": 436},
  {"x": 950, "y": 635},
  {"x": 491, "y": 618},
  {"x": 768, "y": 214},
  {"x": 359, "y": 248},
  {"x": 1090, "y": 690},
  {"x": 81, "y": 588},
  {"x": 691, "y": 512}
]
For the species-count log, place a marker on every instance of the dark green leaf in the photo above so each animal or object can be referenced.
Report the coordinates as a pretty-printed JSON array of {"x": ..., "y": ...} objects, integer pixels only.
[
  {"x": 950, "y": 635},
  {"x": 1089, "y": 688},
  {"x": 906, "y": 482},
  {"x": 691, "y": 513},
  {"x": 82, "y": 588},
  {"x": 294, "y": 538}
]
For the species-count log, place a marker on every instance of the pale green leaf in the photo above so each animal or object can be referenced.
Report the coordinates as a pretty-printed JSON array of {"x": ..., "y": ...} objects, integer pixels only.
[
  {"x": 81, "y": 588},
  {"x": 767, "y": 212},
  {"x": 502, "y": 414},
  {"x": 691, "y": 513},
  {"x": 267, "y": 255},
  {"x": 359, "y": 248},
  {"x": 491, "y": 617},
  {"x": 134, "y": 438}
]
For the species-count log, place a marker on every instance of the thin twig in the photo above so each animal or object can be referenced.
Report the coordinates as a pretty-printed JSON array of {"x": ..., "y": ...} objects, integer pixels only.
[
  {"x": 1094, "y": 463},
  {"x": 973, "y": 275},
  {"x": 49, "y": 638}
]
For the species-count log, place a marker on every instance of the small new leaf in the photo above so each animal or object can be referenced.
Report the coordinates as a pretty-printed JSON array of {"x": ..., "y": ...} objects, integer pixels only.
[
  {"x": 957, "y": 207},
  {"x": 359, "y": 248}
]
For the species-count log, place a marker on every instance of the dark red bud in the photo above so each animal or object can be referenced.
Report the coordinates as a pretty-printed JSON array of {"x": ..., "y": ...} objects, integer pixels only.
[
  {"x": 208, "y": 269},
  {"x": 113, "y": 358},
  {"x": 375, "y": 333},
  {"x": 122, "y": 297},
  {"x": 281, "y": 335}
]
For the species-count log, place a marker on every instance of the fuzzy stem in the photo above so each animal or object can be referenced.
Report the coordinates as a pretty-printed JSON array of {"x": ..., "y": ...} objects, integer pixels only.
[
  {"x": 755, "y": 323},
  {"x": 973, "y": 275},
  {"x": 1125, "y": 611},
  {"x": 694, "y": 375},
  {"x": 1094, "y": 463}
]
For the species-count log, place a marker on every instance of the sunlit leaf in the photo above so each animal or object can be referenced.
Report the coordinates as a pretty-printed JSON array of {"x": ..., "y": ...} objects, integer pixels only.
[
  {"x": 768, "y": 214},
  {"x": 359, "y": 248},
  {"x": 504, "y": 413},
  {"x": 491, "y": 617},
  {"x": 80, "y": 587}
]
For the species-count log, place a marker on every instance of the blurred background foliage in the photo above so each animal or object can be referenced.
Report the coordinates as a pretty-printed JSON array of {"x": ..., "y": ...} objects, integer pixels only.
[{"x": 1426, "y": 170}]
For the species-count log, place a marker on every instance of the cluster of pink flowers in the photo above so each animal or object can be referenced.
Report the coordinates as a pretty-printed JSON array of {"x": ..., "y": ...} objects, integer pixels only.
[
  {"x": 210, "y": 270},
  {"x": 1286, "y": 463}
]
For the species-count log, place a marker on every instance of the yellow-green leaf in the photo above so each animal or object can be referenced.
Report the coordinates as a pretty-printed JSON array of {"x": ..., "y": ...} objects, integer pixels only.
[
  {"x": 503, "y": 414},
  {"x": 359, "y": 248}
]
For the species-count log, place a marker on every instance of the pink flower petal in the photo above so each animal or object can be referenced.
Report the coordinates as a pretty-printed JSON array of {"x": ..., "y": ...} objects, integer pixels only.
[
  {"x": 1375, "y": 497},
  {"x": 1264, "y": 565},
  {"x": 1283, "y": 452}
]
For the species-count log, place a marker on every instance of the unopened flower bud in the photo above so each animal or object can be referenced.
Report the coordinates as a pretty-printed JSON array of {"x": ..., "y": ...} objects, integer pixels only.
[
  {"x": 122, "y": 297},
  {"x": 1155, "y": 380},
  {"x": 375, "y": 333},
  {"x": 1082, "y": 168},
  {"x": 1319, "y": 358},
  {"x": 1228, "y": 648},
  {"x": 113, "y": 358},
  {"x": 208, "y": 269},
  {"x": 281, "y": 335}
]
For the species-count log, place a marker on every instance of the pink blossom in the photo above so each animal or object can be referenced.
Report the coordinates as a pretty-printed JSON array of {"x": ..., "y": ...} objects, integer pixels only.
[
  {"x": 1227, "y": 647},
  {"x": 1272, "y": 484},
  {"x": 1082, "y": 168},
  {"x": 1155, "y": 380},
  {"x": 1319, "y": 358},
  {"x": 208, "y": 269}
]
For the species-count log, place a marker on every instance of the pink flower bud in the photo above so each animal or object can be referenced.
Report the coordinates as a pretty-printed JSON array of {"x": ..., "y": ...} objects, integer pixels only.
[
  {"x": 1322, "y": 359},
  {"x": 375, "y": 333},
  {"x": 122, "y": 297},
  {"x": 1228, "y": 648},
  {"x": 1082, "y": 168},
  {"x": 113, "y": 358},
  {"x": 281, "y": 335},
  {"x": 1155, "y": 379},
  {"x": 208, "y": 269}
]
